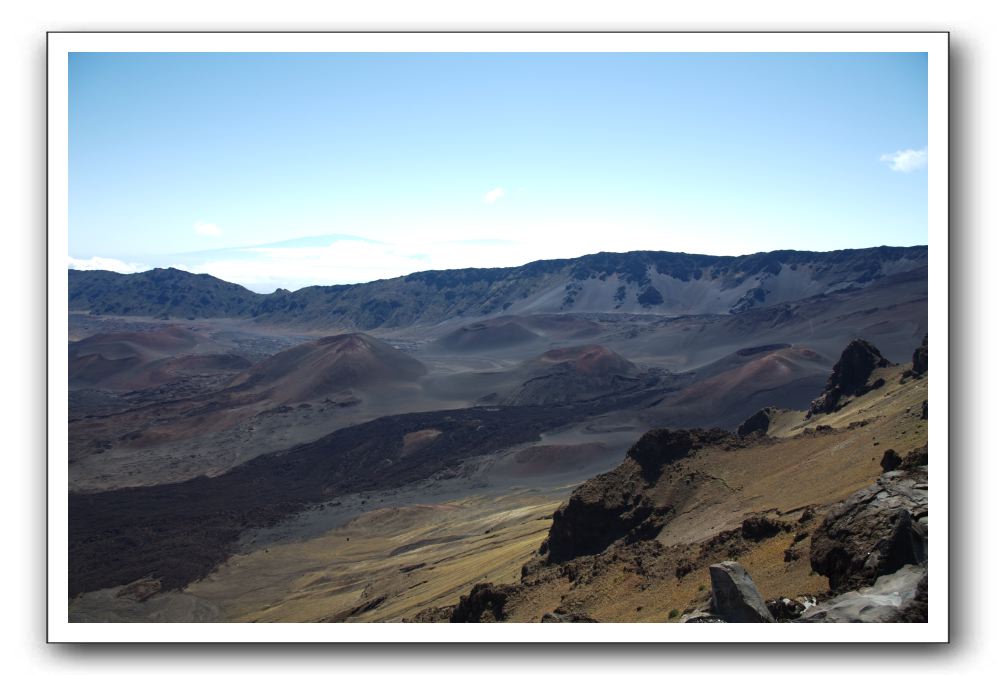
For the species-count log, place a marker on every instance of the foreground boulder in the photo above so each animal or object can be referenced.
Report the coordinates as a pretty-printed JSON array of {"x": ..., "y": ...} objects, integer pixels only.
[
  {"x": 897, "y": 597},
  {"x": 850, "y": 376},
  {"x": 875, "y": 531},
  {"x": 735, "y": 598}
]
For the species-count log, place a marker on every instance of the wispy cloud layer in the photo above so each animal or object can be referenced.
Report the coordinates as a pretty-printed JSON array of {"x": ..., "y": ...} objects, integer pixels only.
[
  {"x": 491, "y": 196},
  {"x": 348, "y": 259},
  {"x": 109, "y": 264},
  {"x": 906, "y": 161},
  {"x": 207, "y": 229}
]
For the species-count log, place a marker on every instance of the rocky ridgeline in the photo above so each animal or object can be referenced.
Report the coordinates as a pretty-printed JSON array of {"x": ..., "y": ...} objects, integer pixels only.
[{"x": 637, "y": 281}]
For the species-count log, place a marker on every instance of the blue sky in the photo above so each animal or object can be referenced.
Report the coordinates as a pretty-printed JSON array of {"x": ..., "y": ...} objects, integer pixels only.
[{"x": 294, "y": 169}]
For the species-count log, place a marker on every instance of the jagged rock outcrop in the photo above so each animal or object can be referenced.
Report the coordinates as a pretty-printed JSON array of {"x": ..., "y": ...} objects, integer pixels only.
[
  {"x": 660, "y": 447},
  {"x": 735, "y": 598},
  {"x": 900, "y": 596},
  {"x": 874, "y": 532},
  {"x": 850, "y": 376},
  {"x": 484, "y": 604},
  {"x": 920, "y": 358},
  {"x": 617, "y": 504},
  {"x": 759, "y": 422}
]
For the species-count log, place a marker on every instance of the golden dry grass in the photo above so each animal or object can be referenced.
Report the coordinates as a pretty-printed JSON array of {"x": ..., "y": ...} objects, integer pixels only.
[{"x": 413, "y": 557}]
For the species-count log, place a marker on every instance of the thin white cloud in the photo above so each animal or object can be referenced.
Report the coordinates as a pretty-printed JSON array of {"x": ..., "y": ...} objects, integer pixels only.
[
  {"x": 491, "y": 196},
  {"x": 906, "y": 161},
  {"x": 207, "y": 229},
  {"x": 109, "y": 264}
]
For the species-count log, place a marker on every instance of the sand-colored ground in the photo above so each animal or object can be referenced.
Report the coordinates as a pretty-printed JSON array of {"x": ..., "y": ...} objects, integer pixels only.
[{"x": 385, "y": 565}]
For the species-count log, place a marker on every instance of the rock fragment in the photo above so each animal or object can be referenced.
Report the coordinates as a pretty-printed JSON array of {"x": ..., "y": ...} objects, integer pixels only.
[{"x": 735, "y": 598}]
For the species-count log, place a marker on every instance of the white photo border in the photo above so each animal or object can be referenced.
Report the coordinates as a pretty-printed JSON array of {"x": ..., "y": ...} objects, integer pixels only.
[{"x": 61, "y": 44}]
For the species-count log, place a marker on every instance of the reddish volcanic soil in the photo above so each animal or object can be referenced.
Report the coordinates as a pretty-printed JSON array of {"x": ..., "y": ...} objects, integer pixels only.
[
  {"x": 785, "y": 377},
  {"x": 127, "y": 361},
  {"x": 588, "y": 360},
  {"x": 330, "y": 365}
]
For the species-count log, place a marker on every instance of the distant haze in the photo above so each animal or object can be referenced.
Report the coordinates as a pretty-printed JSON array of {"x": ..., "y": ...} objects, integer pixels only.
[{"x": 290, "y": 170}]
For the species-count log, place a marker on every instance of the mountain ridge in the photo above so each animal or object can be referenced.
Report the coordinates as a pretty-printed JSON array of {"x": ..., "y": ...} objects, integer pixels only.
[{"x": 653, "y": 282}]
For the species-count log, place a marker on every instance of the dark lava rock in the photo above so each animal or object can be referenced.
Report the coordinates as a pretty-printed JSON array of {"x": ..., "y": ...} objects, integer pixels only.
[
  {"x": 923, "y": 410},
  {"x": 871, "y": 533},
  {"x": 785, "y": 609},
  {"x": 484, "y": 604},
  {"x": 920, "y": 358},
  {"x": 756, "y": 528},
  {"x": 616, "y": 505},
  {"x": 850, "y": 376},
  {"x": 757, "y": 423},
  {"x": 659, "y": 447},
  {"x": 890, "y": 460},
  {"x": 734, "y": 596},
  {"x": 598, "y": 515}
]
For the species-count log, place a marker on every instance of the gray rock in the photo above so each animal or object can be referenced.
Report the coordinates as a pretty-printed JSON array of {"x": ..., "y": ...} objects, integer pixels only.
[
  {"x": 734, "y": 596},
  {"x": 873, "y": 532},
  {"x": 887, "y": 600}
]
